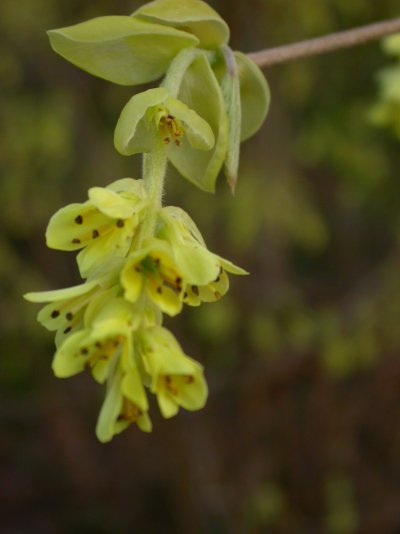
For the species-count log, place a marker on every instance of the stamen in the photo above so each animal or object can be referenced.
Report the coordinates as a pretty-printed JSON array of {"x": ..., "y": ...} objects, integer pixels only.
[
  {"x": 79, "y": 219},
  {"x": 84, "y": 351},
  {"x": 54, "y": 314},
  {"x": 69, "y": 316},
  {"x": 166, "y": 140},
  {"x": 120, "y": 223},
  {"x": 68, "y": 329},
  {"x": 95, "y": 234},
  {"x": 188, "y": 379},
  {"x": 217, "y": 295},
  {"x": 76, "y": 241}
]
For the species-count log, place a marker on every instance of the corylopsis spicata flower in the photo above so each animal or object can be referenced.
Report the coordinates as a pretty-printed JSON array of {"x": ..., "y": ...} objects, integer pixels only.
[
  {"x": 104, "y": 226},
  {"x": 176, "y": 379},
  {"x": 154, "y": 117}
]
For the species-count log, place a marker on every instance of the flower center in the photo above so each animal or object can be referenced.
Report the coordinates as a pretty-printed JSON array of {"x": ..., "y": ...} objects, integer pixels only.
[
  {"x": 130, "y": 411},
  {"x": 101, "y": 350},
  {"x": 170, "y": 128}
]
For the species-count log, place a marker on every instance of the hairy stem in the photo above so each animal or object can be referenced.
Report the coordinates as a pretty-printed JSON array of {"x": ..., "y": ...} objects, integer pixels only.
[
  {"x": 154, "y": 169},
  {"x": 328, "y": 43}
]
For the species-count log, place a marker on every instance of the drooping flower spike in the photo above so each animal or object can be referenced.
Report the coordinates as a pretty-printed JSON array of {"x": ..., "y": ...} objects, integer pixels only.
[{"x": 141, "y": 259}]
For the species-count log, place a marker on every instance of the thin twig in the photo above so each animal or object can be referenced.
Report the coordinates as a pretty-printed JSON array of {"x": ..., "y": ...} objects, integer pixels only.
[{"x": 328, "y": 43}]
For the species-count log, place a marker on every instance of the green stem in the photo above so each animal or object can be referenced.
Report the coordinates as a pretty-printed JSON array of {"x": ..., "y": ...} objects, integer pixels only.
[
  {"x": 177, "y": 70},
  {"x": 154, "y": 169}
]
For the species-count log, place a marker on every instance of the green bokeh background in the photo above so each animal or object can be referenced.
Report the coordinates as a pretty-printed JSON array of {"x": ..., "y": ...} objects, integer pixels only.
[{"x": 301, "y": 433}]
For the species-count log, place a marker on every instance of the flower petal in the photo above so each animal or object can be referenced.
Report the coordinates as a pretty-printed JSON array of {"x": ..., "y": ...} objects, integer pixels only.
[
  {"x": 106, "y": 423},
  {"x": 112, "y": 204},
  {"x": 61, "y": 294},
  {"x": 133, "y": 133},
  {"x": 198, "y": 131},
  {"x": 68, "y": 361}
]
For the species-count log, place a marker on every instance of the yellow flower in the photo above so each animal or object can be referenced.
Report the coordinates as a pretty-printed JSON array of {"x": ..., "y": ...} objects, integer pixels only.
[
  {"x": 153, "y": 270},
  {"x": 176, "y": 379},
  {"x": 190, "y": 251},
  {"x": 106, "y": 338},
  {"x": 104, "y": 226}
]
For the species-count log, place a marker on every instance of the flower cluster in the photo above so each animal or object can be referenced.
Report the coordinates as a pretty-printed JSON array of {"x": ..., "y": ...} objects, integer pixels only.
[
  {"x": 111, "y": 324},
  {"x": 138, "y": 258}
]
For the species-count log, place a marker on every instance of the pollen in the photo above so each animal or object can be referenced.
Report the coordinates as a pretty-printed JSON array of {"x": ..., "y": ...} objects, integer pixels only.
[{"x": 170, "y": 129}]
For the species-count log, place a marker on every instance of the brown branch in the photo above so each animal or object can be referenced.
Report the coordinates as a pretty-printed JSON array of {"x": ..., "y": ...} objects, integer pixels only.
[{"x": 328, "y": 43}]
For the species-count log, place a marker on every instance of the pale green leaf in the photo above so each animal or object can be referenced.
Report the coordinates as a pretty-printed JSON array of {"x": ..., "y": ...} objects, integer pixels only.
[
  {"x": 120, "y": 49},
  {"x": 192, "y": 16}
]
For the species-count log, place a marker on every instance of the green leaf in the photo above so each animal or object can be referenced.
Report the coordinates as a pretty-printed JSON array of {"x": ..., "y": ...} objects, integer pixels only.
[
  {"x": 192, "y": 16},
  {"x": 200, "y": 91},
  {"x": 122, "y": 50},
  {"x": 254, "y": 94}
]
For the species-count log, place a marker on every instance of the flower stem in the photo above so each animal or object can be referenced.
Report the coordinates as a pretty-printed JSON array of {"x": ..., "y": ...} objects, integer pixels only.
[{"x": 154, "y": 169}]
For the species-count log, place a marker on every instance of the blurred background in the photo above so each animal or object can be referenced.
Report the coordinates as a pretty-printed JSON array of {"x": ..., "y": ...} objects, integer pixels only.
[{"x": 301, "y": 433}]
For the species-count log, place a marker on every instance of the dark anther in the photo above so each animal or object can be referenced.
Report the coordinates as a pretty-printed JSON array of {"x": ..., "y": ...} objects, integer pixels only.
[
  {"x": 166, "y": 140},
  {"x": 178, "y": 280},
  {"x": 84, "y": 351},
  {"x": 95, "y": 234},
  {"x": 138, "y": 269},
  {"x": 98, "y": 345},
  {"x": 76, "y": 241},
  {"x": 185, "y": 295},
  {"x": 159, "y": 289},
  {"x": 217, "y": 295},
  {"x": 195, "y": 290},
  {"x": 189, "y": 379},
  {"x": 68, "y": 329},
  {"x": 69, "y": 316},
  {"x": 170, "y": 117},
  {"x": 79, "y": 219},
  {"x": 120, "y": 223},
  {"x": 157, "y": 261},
  {"x": 54, "y": 314}
]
